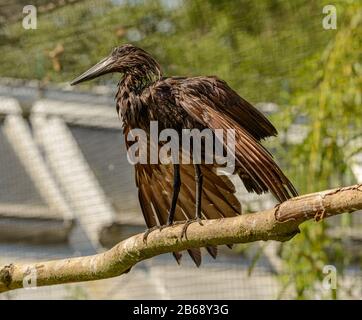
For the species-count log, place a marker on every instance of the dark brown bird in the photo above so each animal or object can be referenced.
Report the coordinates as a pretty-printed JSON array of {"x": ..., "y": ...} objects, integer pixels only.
[{"x": 179, "y": 192}]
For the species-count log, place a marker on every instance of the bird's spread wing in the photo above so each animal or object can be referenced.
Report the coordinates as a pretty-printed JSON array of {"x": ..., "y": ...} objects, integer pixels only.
[
  {"x": 155, "y": 190},
  {"x": 219, "y": 96},
  {"x": 210, "y": 102},
  {"x": 155, "y": 186},
  {"x": 155, "y": 182}
]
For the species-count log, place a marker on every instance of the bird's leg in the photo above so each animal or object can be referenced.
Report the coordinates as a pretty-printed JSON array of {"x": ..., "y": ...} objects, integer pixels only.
[
  {"x": 199, "y": 181},
  {"x": 175, "y": 192},
  {"x": 171, "y": 213}
]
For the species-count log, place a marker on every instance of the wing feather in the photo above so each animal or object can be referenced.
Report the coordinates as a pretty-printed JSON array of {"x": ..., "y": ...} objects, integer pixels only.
[
  {"x": 217, "y": 94},
  {"x": 211, "y": 103},
  {"x": 154, "y": 184},
  {"x": 262, "y": 173}
]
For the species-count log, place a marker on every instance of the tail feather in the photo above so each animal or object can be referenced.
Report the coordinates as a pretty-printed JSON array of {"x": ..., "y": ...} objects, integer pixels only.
[
  {"x": 212, "y": 251},
  {"x": 195, "y": 254},
  {"x": 177, "y": 256}
]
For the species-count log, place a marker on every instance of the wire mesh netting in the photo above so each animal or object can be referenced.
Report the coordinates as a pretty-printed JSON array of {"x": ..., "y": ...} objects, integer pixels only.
[{"x": 15, "y": 184}]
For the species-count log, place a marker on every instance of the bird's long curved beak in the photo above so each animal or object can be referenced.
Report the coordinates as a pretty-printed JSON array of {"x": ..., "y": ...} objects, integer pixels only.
[{"x": 102, "y": 67}]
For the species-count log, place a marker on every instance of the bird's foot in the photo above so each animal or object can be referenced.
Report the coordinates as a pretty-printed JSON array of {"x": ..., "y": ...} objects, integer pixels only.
[
  {"x": 320, "y": 215},
  {"x": 175, "y": 223},
  {"x": 148, "y": 231},
  {"x": 187, "y": 224}
]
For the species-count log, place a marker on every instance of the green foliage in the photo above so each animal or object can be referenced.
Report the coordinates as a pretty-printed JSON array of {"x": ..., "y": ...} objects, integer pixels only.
[
  {"x": 333, "y": 107},
  {"x": 254, "y": 45},
  {"x": 75, "y": 292}
]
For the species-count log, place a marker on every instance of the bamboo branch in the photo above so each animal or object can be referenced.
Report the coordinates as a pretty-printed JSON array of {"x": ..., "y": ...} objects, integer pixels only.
[{"x": 280, "y": 223}]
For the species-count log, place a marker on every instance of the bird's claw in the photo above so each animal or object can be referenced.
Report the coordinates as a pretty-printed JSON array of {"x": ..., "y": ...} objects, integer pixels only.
[
  {"x": 160, "y": 228},
  {"x": 187, "y": 224},
  {"x": 177, "y": 222},
  {"x": 148, "y": 231}
]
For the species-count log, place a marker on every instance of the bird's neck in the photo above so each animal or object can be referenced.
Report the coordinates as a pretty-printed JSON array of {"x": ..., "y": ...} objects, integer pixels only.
[
  {"x": 136, "y": 82},
  {"x": 130, "y": 89}
]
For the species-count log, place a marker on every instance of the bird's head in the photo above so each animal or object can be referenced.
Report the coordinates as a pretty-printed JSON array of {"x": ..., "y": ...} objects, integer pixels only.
[{"x": 126, "y": 59}]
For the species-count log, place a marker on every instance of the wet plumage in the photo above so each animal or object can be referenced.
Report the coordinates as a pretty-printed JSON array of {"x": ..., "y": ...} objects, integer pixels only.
[{"x": 144, "y": 95}]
